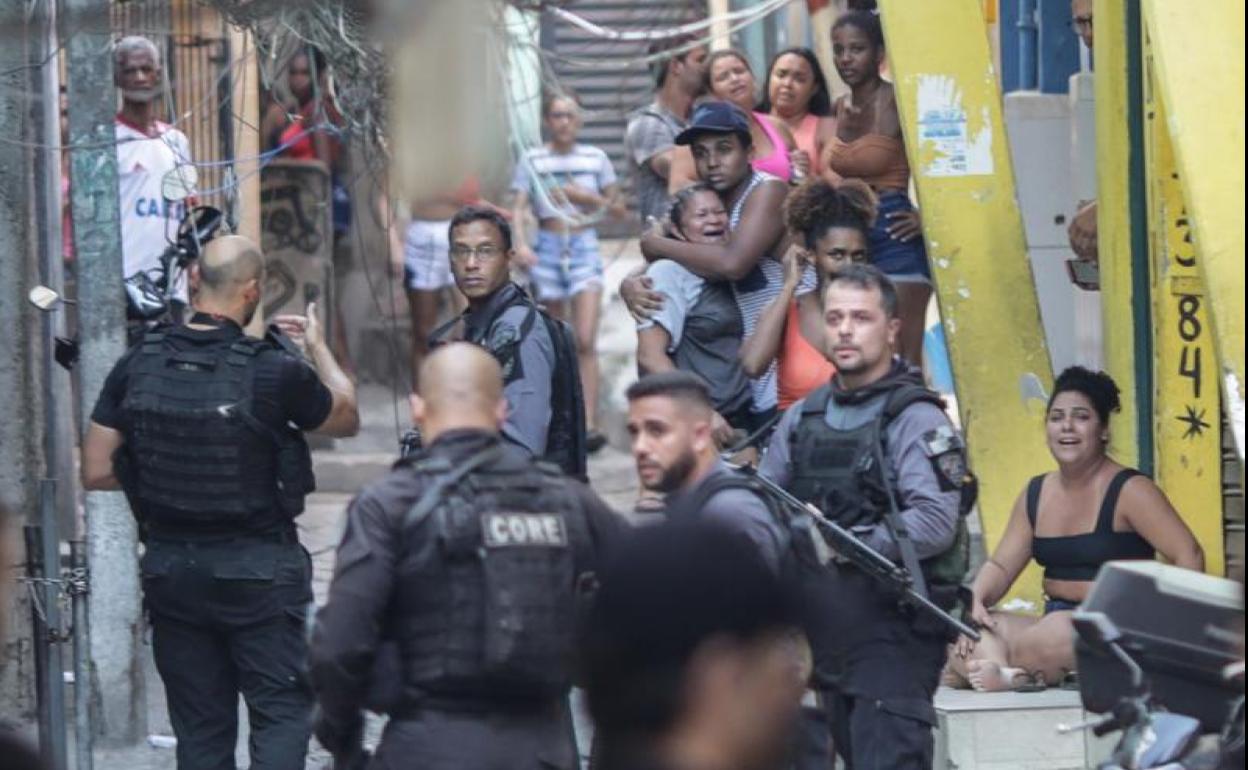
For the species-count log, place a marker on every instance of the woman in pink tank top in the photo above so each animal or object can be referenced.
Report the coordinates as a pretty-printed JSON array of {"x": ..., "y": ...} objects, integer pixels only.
[
  {"x": 796, "y": 96},
  {"x": 730, "y": 79}
]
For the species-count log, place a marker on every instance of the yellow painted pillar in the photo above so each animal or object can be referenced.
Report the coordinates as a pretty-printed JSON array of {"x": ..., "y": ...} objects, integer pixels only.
[
  {"x": 1198, "y": 50},
  {"x": 955, "y": 137},
  {"x": 1187, "y": 433},
  {"x": 1114, "y": 221}
]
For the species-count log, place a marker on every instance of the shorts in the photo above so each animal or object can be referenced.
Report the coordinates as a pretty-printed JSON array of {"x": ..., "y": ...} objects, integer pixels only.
[
  {"x": 1059, "y": 605},
  {"x": 426, "y": 255},
  {"x": 904, "y": 261},
  {"x": 567, "y": 264}
]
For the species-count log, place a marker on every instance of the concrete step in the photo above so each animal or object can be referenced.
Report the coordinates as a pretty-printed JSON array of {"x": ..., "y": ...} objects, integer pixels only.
[
  {"x": 1014, "y": 731},
  {"x": 346, "y": 472}
]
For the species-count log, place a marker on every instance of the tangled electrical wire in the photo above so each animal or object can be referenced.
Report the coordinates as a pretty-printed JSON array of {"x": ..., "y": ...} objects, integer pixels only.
[{"x": 340, "y": 30}]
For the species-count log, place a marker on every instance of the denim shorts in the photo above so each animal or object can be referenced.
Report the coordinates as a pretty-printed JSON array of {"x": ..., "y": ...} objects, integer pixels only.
[
  {"x": 1058, "y": 605},
  {"x": 567, "y": 264},
  {"x": 905, "y": 259}
]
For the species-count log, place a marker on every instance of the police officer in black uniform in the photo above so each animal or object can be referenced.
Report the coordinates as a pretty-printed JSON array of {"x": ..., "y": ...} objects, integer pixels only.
[
  {"x": 670, "y": 423},
  {"x": 875, "y": 451},
  {"x": 470, "y": 557},
  {"x": 201, "y": 426},
  {"x": 537, "y": 353}
]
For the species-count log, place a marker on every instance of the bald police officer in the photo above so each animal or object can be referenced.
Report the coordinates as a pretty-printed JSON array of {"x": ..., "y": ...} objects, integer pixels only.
[
  {"x": 471, "y": 558},
  {"x": 195, "y": 422},
  {"x": 537, "y": 353}
]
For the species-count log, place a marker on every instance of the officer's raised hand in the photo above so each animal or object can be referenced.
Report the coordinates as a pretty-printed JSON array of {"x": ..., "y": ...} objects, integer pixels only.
[{"x": 305, "y": 332}]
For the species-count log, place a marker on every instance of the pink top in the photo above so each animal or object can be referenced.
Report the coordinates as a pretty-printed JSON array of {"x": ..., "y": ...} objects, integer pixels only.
[
  {"x": 777, "y": 163},
  {"x": 805, "y": 136}
]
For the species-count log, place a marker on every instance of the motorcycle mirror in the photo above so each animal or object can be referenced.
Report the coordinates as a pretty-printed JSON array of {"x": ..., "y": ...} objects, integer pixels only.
[
  {"x": 179, "y": 183},
  {"x": 46, "y": 299},
  {"x": 1096, "y": 628}
]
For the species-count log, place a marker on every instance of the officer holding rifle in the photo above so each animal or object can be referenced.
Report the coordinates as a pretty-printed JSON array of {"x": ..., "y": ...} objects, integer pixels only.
[{"x": 875, "y": 453}]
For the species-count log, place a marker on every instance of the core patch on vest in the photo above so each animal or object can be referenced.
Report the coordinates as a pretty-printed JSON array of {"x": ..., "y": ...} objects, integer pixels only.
[{"x": 524, "y": 530}]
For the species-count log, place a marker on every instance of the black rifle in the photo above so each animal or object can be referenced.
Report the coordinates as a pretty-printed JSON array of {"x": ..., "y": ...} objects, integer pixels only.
[{"x": 871, "y": 562}]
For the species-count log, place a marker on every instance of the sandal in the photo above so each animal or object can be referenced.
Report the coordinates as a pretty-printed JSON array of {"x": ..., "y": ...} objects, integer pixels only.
[
  {"x": 1030, "y": 682},
  {"x": 1069, "y": 681}
]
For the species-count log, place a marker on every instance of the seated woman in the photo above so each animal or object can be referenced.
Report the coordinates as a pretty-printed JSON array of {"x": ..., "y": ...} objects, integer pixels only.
[
  {"x": 832, "y": 223},
  {"x": 1090, "y": 511},
  {"x": 699, "y": 327}
]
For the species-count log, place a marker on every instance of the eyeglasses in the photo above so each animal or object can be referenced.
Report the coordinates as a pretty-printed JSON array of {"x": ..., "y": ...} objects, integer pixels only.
[
  {"x": 1081, "y": 22},
  {"x": 485, "y": 253}
]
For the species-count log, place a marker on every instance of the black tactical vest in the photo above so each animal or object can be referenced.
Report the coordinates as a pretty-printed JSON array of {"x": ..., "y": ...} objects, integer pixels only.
[
  {"x": 194, "y": 454},
  {"x": 490, "y": 613},
  {"x": 566, "y": 437},
  {"x": 839, "y": 472}
]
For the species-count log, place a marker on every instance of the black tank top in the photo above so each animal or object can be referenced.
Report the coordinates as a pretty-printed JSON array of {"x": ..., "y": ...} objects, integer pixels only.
[{"x": 1078, "y": 557}]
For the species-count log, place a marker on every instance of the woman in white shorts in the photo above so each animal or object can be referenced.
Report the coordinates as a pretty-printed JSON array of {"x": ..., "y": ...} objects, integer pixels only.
[
  {"x": 568, "y": 186},
  {"x": 427, "y": 265}
]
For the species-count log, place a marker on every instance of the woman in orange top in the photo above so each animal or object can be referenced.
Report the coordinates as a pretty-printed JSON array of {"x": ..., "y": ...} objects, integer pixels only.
[
  {"x": 797, "y": 97},
  {"x": 868, "y": 146},
  {"x": 832, "y": 224}
]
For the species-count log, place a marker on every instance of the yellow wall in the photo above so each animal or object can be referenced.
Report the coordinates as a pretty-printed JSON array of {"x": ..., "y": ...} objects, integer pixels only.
[{"x": 950, "y": 108}]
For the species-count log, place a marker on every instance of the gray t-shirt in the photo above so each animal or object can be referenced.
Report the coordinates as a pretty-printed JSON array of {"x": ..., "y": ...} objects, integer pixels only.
[
  {"x": 929, "y": 513},
  {"x": 739, "y": 511},
  {"x": 651, "y": 130},
  {"x": 705, "y": 328}
]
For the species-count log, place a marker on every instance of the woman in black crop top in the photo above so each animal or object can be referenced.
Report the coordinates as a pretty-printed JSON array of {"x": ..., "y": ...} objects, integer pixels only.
[{"x": 1090, "y": 511}]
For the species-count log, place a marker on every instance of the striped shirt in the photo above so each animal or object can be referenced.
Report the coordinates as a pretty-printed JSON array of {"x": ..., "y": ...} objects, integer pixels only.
[
  {"x": 756, "y": 291},
  {"x": 543, "y": 170}
]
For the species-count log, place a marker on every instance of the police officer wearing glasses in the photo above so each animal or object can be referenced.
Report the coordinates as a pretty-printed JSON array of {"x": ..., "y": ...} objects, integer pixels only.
[
  {"x": 202, "y": 426},
  {"x": 875, "y": 451},
  {"x": 537, "y": 353},
  {"x": 468, "y": 562}
]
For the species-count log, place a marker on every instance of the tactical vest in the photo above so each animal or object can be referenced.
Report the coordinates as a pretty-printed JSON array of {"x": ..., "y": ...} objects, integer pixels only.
[
  {"x": 194, "y": 454},
  {"x": 566, "y": 439},
  {"x": 491, "y": 611},
  {"x": 839, "y": 472}
]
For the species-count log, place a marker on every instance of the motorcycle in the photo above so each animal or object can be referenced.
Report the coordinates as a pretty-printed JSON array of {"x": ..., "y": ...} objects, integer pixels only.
[
  {"x": 1152, "y": 737},
  {"x": 150, "y": 292}
]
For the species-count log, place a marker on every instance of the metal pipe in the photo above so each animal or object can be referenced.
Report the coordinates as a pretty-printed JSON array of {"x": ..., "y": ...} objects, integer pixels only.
[
  {"x": 57, "y": 755},
  {"x": 1028, "y": 45},
  {"x": 79, "y": 591}
]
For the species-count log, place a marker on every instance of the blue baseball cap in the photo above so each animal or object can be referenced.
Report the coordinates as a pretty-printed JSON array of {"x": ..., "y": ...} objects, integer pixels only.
[{"x": 716, "y": 118}]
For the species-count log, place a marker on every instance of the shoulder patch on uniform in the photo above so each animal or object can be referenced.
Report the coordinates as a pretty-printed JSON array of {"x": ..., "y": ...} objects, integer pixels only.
[
  {"x": 524, "y": 530},
  {"x": 938, "y": 441},
  {"x": 946, "y": 450}
]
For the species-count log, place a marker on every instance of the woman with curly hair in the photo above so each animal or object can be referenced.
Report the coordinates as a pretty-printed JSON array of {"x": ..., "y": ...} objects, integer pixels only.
[
  {"x": 1071, "y": 521},
  {"x": 831, "y": 225}
]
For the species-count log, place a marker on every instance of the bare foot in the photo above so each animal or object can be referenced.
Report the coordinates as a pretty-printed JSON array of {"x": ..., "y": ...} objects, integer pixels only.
[
  {"x": 988, "y": 676},
  {"x": 951, "y": 678}
]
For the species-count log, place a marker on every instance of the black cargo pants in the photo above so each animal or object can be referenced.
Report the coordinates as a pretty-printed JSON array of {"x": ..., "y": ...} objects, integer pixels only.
[
  {"x": 883, "y": 718},
  {"x": 229, "y": 618},
  {"x": 431, "y": 739}
]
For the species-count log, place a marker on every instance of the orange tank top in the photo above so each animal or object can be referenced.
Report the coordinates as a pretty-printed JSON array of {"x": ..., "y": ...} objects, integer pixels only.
[
  {"x": 800, "y": 367},
  {"x": 878, "y": 160}
]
